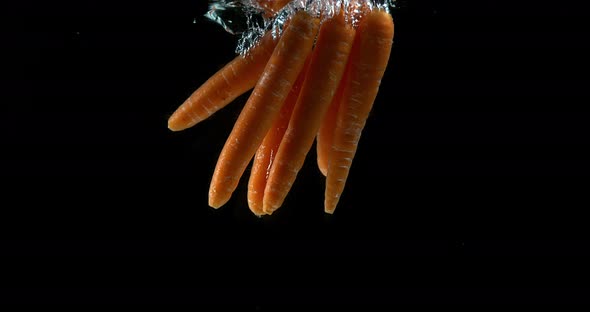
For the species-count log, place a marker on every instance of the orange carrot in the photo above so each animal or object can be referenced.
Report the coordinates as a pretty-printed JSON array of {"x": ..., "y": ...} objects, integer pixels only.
[
  {"x": 233, "y": 80},
  {"x": 369, "y": 60},
  {"x": 268, "y": 149},
  {"x": 272, "y": 6},
  {"x": 326, "y": 132},
  {"x": 327, "y": 67},
  {"x": 263, "y": 106}
]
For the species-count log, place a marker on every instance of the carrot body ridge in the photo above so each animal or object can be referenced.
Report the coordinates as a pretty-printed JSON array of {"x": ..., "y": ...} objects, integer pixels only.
[
  {"x": 263, "y": 106},
  {"x": 315, "y": 77},
  {"x": 267, "y": 151},
  {"x": 326, "y": 69},
  {"x": 368, "y": 62},
  {"x": 231, "y": 81},
  {"x": 326, "y": 133}
]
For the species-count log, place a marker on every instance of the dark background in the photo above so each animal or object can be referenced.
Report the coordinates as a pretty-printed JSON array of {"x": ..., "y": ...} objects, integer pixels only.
[{"x": 470, "y": 183}]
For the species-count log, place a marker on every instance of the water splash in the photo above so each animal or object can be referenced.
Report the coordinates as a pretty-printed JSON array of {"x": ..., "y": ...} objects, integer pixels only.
[{"x": 247, "y": 18}]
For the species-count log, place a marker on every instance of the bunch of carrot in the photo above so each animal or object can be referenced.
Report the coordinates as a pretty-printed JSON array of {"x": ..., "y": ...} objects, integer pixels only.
[{"x": 301, "y": 93}]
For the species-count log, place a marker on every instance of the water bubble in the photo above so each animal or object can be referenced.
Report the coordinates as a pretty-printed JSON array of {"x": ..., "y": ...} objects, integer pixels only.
[{"x": 248, "y": 19}]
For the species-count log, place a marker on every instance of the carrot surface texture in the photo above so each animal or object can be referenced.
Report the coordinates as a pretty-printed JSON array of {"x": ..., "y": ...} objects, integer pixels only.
[
  {"x": 317, "y": 78},
  {"x": 326, "y": 132},
  {"x": 263, "y": 106},
  {"x": 327, "y": 66},
  {"x": 267, "y": 151},
  {"x": 368, "y": 61},
  {"x": 272, "y": 6},
  {"x": 231, "y": 81}
]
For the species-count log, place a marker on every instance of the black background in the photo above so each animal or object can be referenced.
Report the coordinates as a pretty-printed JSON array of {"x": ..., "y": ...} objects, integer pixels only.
[{"x": 470, "y": 183}]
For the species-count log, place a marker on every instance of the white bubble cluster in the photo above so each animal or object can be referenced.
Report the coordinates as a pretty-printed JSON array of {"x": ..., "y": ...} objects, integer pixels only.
[{"x": 247, "y": 19}]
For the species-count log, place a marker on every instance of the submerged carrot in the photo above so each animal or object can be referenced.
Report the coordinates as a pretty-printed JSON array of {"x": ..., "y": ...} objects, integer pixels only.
[
  {"x": 326, "y": 132},
  {"x": 233, "y": 80},
  {"x": 268, "y": 149},
  {"x": 328, "y": 64},
  {"x": 369, "y": 60},
  {"x": 263, "y": 106},
  {"x": 272, "y": 6}
]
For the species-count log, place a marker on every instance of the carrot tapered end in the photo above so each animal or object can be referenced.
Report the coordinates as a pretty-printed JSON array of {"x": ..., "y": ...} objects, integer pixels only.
[
  {"x": 174, "y": 125},
  {"x": 215, "y": 205},
  {"x": 256, "y": 208},
  {"x": 181, "y": 119},
  {"x": 323, "y": 166},
  {"x": 217, "y": 200},
  {"x": 269, "y": 208},
  {"x": 330, "y": 205}
]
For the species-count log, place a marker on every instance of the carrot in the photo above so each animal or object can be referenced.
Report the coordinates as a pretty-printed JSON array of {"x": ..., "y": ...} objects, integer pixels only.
[
  {"x": 327, "y": 67},
  {"x": 263, "y": 106},
  {"x": 272, "y": 6},
  {"x": 369, "y": 60},
  {"x": 231, "y": 81},
  {"x": 265, "y": 154},
  {"x": 326, "y": 132}
]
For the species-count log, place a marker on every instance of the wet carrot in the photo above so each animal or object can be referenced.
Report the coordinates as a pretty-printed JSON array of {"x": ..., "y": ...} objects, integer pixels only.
[
  {"x": 231, "y": 81},
  {"x": 326, "y": 132},
  {"x": 369, "y": 60},
  {"x": 265, "y": 154},
  {"x": 328, "y": 64},
  {"x": 263, "y": 106},
  {"x": 273, "y": 6}
]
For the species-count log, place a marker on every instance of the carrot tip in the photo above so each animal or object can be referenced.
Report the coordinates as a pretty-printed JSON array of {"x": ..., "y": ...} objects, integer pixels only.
[
  {"x": 216, "y": 203},
  {"x": 173, "y": 126},
  {"x": 256, "y": 209},
  {"x": 269, "y": 210},
  {"x": 329, "y": 207},
  {"x": 323, "y": 170}
]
